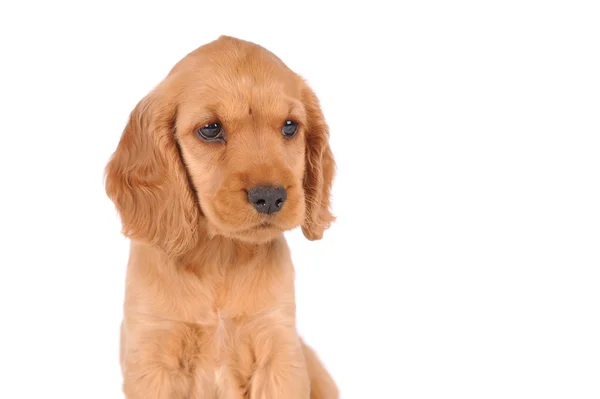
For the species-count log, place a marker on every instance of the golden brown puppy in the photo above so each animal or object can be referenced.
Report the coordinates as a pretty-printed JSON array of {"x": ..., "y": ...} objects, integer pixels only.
[{"x": 224, "y": 155}]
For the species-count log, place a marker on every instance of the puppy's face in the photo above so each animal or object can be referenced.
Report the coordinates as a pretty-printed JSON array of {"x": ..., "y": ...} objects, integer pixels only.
[
  {"x": 241, "y": 129},
  {"x": 232, "y": 137}
]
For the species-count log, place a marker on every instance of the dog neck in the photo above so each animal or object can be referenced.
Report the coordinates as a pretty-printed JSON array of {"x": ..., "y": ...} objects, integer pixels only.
[{"x": 215, "y": 251}]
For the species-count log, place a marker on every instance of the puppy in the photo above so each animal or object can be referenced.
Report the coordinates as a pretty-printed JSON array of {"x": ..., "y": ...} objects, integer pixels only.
[{"x": 225, "y": 154}]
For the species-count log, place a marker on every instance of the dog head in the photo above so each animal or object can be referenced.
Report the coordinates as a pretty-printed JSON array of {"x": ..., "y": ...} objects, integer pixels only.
[{"x": 231, "y": 137}]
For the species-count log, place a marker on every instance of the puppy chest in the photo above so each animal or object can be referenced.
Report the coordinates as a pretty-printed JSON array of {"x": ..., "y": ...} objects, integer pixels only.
[{"x": 217, "y": 357}]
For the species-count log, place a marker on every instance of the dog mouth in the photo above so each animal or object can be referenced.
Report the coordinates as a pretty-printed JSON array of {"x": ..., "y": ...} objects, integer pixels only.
[
  {"x": 246, "y": 224},
  {"x": 257, "y": 233},
  {"x": 264, "y": 225}
]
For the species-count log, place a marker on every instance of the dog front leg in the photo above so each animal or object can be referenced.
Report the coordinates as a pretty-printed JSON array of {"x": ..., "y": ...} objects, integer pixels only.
[
  {"x": 157, "y": 360},
  {"x": 280, "y": 369}
]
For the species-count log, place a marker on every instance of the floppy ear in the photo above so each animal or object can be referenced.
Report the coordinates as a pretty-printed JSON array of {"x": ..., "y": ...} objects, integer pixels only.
[
  {"x": 148, "y": 182},
  {"x": 320, "y": 168}
]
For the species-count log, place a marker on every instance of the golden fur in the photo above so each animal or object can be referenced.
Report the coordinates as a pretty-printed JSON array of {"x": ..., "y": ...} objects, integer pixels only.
[{"x": 209, "y": 307}]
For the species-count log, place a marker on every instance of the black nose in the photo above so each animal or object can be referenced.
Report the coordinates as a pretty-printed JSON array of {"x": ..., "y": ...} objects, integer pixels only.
[{"x": 267, "y": 199}]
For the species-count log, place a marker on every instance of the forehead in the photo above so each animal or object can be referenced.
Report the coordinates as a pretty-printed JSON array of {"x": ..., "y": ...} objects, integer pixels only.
[{"x": 237, "y": 81}]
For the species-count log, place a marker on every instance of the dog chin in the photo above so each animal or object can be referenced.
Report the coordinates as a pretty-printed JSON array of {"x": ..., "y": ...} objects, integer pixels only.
[
  {"x": 259, "y": 234},
  {"x": 256, "y": 235},
  {"x": 259, "y": 237}
]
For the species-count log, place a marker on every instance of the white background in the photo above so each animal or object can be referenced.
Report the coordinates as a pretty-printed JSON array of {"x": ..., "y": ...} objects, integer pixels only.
[{"x": 465, "y": 262}]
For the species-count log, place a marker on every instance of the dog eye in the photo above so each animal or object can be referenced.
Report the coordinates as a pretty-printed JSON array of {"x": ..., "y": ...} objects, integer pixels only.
[
  {"x": 211, "y": 131},
  {"x": 289, "y": 128}
]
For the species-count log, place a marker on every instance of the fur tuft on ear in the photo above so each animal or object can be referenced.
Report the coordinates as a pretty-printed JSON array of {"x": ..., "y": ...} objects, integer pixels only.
[
  {"x": 320, "y": 169},
  {"x": 147, "y": 181}
]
